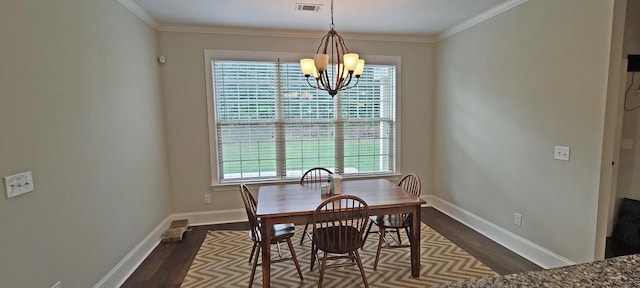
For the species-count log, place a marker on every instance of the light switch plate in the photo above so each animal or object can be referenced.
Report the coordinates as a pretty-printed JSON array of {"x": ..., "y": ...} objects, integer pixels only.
[
  {"x": 561, "y": 153},
  {"x": 626, "y": 144},
  {"x": 18, "y": 184}
]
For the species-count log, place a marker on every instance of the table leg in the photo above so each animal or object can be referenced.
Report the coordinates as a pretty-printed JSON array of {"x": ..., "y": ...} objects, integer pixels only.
[
  {"x": 265, "y": 233},
  {"x": 415, "y": 241}
]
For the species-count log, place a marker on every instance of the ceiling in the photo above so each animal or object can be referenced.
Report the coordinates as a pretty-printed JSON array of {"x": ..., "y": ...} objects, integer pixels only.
[{"x": 401, "y": 17}]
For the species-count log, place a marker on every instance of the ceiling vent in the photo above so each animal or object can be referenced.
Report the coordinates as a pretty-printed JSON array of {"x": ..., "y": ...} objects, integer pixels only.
[{"x": 308, "y": 7}]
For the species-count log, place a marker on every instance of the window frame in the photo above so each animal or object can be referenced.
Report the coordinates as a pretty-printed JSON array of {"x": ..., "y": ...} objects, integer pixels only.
[{"x": 245, "y": 55}]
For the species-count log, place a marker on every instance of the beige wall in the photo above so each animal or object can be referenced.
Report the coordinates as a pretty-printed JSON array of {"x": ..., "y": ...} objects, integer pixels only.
[
  {"x": 510, "y": 89},
  {"x": 183, "y": 88},
  {"x": 80, "y": 106}
]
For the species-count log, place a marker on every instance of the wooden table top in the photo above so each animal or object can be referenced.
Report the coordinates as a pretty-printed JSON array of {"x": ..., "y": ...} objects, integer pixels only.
[{"x": 295, "y": 199}]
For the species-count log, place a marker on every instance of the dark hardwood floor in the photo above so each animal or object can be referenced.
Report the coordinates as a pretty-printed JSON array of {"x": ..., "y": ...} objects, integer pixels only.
[{"x": 168, "y": 264}]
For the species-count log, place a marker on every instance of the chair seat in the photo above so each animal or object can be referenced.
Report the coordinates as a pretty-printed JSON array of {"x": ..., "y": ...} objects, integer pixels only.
[
  {"x": 338, "y": 239},
  {"x": 279, "y": 232},
  {"x": 390, "y": 221}
]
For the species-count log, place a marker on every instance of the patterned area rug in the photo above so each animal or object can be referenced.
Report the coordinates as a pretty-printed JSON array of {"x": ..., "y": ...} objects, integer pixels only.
[{"x": 223, "y": 261}]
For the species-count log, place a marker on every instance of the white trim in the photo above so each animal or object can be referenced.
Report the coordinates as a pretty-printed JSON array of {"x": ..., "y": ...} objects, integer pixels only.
[
  {"x": 138, "y": 11},
  {"x": 146, "y": 17},
  {"x": 212, "y": 217},
  {"x": 119, "y": 273},
  {"x": 290, "y": 33},
  {"x": 525, "y": 248},
  {"x": 479, "y": 19},
  {"x": 128, "y": 264},
  {"x": 245, "y": 55}
]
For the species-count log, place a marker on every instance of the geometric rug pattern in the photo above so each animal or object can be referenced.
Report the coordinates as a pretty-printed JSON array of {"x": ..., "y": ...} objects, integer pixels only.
[{"x": 223, "y": 261}]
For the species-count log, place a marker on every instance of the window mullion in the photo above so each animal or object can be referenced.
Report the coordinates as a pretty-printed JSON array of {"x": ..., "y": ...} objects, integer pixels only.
[
  {"x": 339, "y": 135},
  {"x": 281, "y": 147}
]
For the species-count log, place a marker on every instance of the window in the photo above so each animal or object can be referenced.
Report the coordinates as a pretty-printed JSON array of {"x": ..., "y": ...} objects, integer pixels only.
[{"x": 266, "y": 123}]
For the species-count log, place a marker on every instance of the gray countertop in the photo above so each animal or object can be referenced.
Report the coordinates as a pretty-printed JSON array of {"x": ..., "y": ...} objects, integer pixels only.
[{"x": 621, "y": 271}]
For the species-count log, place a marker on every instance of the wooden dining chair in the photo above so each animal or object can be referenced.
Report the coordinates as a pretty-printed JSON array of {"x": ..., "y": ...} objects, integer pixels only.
[
  {"x": 339, "y": 224},
  {"x": 394, "y": 222},
  {"x": 279, "y": 233},
  {"x": 317, "y": 176}
]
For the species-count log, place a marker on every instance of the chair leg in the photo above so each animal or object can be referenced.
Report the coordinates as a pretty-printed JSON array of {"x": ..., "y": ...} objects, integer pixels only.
[
  {"x": 279, "y": 251},
  {"x": 253, "y": 250},
  {"x": 314, "y": 254},
  {"x": 295, "y": 258},
  {"x": 304, "y": 233},
  {"x": 406, "y": 229},
  {"x": 381, "y": 232},
  {"x": 364, "y": 277},
  {"x": 255, "y": 263},
  {"x": 322, "y": 267},
  {"x": 398, "y": 234},
  {"x": 367, "y": 234}
]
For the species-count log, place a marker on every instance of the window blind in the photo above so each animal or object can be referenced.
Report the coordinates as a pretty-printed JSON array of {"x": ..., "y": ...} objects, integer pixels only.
[{"x": 271, "y": 125}]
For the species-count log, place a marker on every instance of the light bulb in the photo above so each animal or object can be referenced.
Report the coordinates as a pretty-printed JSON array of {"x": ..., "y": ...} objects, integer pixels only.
[
  {"x": 307, "y": 66},
  {"x": 351, "y": 61}
]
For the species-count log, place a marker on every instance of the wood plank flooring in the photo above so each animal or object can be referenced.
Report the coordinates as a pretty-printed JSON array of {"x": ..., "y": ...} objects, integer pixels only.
[{"x": 168, "y": 264}]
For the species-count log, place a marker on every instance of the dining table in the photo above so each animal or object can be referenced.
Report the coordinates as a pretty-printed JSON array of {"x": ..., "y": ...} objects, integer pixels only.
[{"x": 295, "y": 203}]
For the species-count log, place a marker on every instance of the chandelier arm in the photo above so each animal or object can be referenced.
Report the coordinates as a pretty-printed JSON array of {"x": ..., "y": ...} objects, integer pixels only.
[
  {"x": 308, "y": 82},
  {"x": 352, "y": 86},
  {"x": 324, "y": 80},
  {"x": 323, "y": 44},
  {"x": 343, "y": 45},
  {"x": 339, "y": 54},
  {"x": 349, "y": 77},
  {"x": 321, "y": 87}
]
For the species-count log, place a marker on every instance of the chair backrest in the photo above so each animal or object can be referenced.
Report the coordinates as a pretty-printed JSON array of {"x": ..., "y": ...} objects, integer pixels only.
[
  {"x": 343, "y": 221},
  {"x": 250, "y": 205},
  {"x": 411, "y": 183},
  {"x": 316, "y": 175}
]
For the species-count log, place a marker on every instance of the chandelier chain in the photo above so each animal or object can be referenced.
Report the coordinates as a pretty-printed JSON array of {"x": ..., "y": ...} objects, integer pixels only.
[{"x": 332, "y": 26}]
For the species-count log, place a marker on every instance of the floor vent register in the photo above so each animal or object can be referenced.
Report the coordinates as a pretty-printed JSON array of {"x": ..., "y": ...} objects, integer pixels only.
[{"x": 176, "y": 231}]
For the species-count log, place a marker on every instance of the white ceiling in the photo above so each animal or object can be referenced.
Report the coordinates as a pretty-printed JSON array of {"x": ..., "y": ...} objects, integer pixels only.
[{"x": 401, "y": 17}]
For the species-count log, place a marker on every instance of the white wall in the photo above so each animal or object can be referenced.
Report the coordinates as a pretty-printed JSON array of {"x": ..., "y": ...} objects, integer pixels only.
[
  {"x": 183, "y": 88},
  {"x": 80, "y": 106},
  {"x": 510, "y": 89}
]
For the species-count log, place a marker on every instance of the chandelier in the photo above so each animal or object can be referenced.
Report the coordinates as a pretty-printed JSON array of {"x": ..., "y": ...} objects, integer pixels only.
[{"x": 333, "y": 71}]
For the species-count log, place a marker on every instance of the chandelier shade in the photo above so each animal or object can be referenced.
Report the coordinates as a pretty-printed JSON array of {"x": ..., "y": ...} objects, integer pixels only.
[{"x": 333, "y": 66}]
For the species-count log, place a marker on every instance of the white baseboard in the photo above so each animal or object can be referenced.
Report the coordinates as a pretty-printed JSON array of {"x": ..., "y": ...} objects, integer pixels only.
[
  {"x": 126, "y": 267},
  {"x": 513, "y": 242},
  {"x": 212, "y": 217},
  {"x": 519, "y": 245},
  {"x": 128, "y": 264}
]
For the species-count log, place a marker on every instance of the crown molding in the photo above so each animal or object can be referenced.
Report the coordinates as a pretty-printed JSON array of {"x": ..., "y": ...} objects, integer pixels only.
[
  {"x": 288, "y": 33},
  {"x": 138, "y": 11},
  {"x": 479, "y": 19},
  {"x": 144, "y": 16}
]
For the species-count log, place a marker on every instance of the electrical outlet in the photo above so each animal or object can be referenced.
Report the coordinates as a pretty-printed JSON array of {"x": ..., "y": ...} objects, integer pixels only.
[
  {"x": 57, "y": 285},
  {"x": 561, "y": 153},
  {"x": 517, "y": 219},
  {"x": 207, "y": 198}
]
